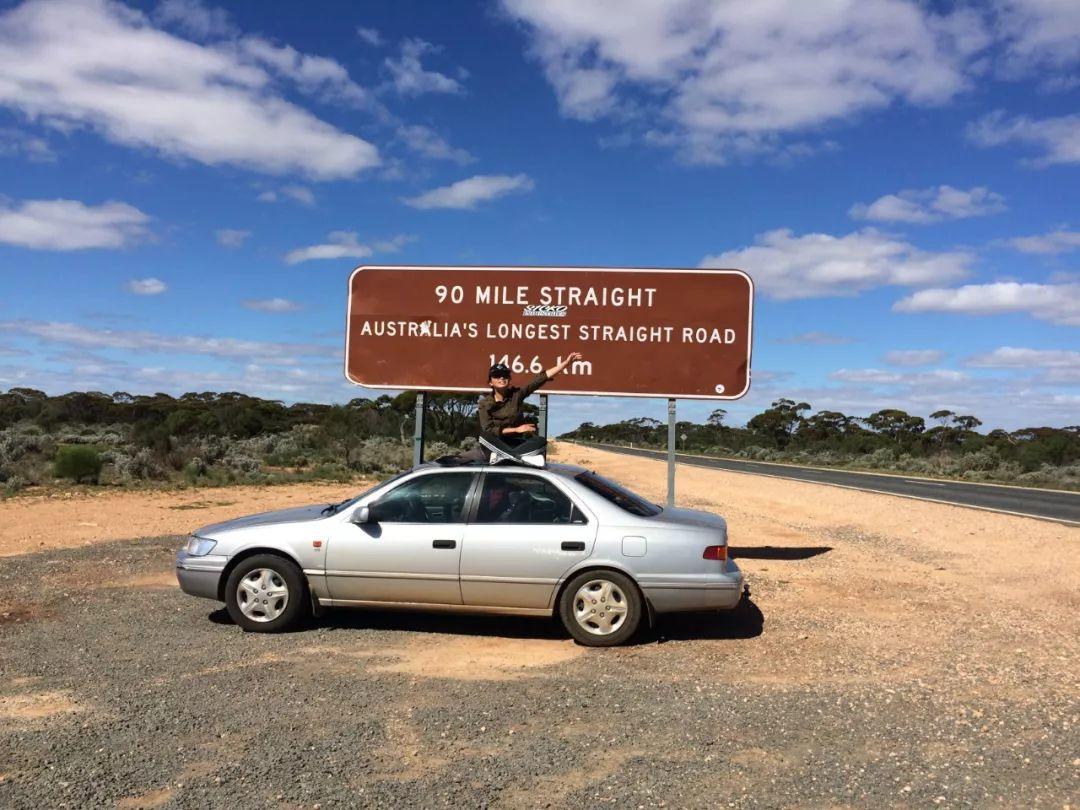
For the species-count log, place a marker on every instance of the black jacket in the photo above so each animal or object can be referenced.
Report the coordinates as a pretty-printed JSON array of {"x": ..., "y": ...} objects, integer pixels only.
[{"x": 494, "y": 416}]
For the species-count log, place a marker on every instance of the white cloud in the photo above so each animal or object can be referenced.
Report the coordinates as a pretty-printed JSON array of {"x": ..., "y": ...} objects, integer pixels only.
[
  {"x": 875, "y": 376},
  {"x": 408, "y": 76},
  {"x": 1040, "y": 35},
  {"x": 346, "y": 245},
  {"x": 914, "y": 357},
  {"x": 1057, "y": 303},
  {"x": 1057, "y": 138},
  {"x": 194, "y": 18},
  {"x": 1056, "y": 366},
  {"x": 817, "y": 339},
  {"x": 1012, "y": 357},
  {"x": 231, "y": 237},
  {"x": 466, "y": 194},
  {"x": 72, "y": 334},
  {"x": 16, "y": 143},
  {"x": 300, "y": 194},
  {"x": 426, "y": 142},
  {"x": 370, "y": 35},
  {"x": 101, "y": 65},
  {"x": 1059, "y": 241},
  {"x": 146, "y": 286},
  {"x": 816, "y": 265},
  {"x": 318, "y": 381},
  {"x": 931, "y": 205},
  {"x": 271, "y": 305},
  {"x": 71, "y": 225},
  {"x": 721, "y": 79},
  {"x": 315, "y": 75}
]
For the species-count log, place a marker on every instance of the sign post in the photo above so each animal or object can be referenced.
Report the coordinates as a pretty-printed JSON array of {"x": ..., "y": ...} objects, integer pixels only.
[
  {"x": 542, "y": 427},
  {"x": 671, "y": 453},
  {"x": 418, "y": 429}
]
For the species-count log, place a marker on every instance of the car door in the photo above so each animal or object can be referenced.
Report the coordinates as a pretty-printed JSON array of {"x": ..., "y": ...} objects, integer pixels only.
[
  {"x": 524, "y": 532},
  {"x": 410, "y": 549}
]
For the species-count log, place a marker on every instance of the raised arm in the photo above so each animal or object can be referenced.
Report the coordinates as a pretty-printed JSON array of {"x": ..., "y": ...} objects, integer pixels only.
[
  {"x": 559, "y": 367},
  {"x": 548, "y": 374}
]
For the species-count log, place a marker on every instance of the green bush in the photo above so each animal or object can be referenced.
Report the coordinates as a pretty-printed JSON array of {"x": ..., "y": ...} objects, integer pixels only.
[{"x": 78, "y": 462}]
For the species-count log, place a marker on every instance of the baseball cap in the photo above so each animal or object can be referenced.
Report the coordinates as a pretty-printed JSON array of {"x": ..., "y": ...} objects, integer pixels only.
[{"x": 499, "y": 370}]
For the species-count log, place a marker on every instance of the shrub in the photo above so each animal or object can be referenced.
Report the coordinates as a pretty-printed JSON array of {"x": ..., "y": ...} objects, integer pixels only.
[
  {"x": 139, "y": 467},
  {"x": 882, "y": 457},
  {"x": 383, "y": 455},
  {"x": 18, "y": 441},
  {"x": 981, "y": 461},
  {"x": 78, "y": 462},
  {"x": 238, "y": 462},
  {"x": 13, "y": 484}
]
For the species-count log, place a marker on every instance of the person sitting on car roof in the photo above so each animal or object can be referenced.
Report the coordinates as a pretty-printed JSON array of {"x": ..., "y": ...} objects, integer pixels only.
[{"x": 502, "y": 416}]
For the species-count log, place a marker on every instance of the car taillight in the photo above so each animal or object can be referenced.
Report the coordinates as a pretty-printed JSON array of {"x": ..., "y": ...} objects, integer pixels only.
[{"x": 715, "y": 553}]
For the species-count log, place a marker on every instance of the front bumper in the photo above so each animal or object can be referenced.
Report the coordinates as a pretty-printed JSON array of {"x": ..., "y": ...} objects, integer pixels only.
[
  {"x": 722, "y": 591},
  {"x": 200, "y": 576}
]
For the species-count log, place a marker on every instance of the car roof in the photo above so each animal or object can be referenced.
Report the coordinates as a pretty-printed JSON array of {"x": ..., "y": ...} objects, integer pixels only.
[{"x": 566, "y": 470}]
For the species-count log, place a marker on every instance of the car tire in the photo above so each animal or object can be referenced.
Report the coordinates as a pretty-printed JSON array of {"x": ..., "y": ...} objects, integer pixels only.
[
  {"x": 266, "y": 594},
  {"x": 601, "y": 608}
]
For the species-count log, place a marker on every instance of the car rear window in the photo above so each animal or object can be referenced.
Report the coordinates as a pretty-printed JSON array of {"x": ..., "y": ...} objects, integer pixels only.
[{"x": 622, "y": 498}]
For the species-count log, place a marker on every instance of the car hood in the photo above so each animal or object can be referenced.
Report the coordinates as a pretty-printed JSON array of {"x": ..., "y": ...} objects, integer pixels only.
[
  {"x": 690, "y": 517},
  {"x": 298, "y": 514}
]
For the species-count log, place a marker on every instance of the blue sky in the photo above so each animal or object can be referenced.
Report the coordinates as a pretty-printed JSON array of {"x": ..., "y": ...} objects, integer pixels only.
[{"x": 186, "y": 187}]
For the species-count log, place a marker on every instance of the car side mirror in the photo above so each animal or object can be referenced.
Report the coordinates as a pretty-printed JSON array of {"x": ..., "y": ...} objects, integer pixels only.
[{"x": 362, "y": 515}]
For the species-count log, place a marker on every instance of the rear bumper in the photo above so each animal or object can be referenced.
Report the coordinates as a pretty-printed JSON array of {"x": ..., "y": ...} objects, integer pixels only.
[
  {"x": 668, "y": 594},
  {"x": 199, "y": 576}
]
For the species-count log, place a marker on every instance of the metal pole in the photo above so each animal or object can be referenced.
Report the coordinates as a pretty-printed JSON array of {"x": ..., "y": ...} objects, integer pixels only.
[
  {"x": 418, "y": 429},
  {"x": 542, "y": 427},
  {"x": 671, "y": 453}
]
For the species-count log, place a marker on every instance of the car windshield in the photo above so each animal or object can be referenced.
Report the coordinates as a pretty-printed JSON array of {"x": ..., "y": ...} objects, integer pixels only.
[
  {"x": 334, "y": 508},
  {"x": 620, "y": 496}
]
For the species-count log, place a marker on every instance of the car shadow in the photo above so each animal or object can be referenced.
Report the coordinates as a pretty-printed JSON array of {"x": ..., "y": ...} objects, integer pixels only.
[
  {"x": 777, "y": 552},
  {"x": 418, "y": 621},
  {"x": 459, "y": 624},
  {"x": 744, "y": 621}
]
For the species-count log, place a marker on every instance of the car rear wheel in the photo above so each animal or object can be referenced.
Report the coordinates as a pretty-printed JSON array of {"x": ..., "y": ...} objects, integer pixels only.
[
  {"x": 266, "y": 594},
  {"x": 600, "y": 608}
]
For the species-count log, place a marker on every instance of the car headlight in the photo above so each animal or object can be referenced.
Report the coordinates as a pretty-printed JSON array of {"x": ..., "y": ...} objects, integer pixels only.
[{"x": 199, "y": 546}]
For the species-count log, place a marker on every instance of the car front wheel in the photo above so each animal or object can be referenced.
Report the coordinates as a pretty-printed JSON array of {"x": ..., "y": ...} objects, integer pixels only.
[
  {"x": 600, "y": 608},
  {"x": 266, "y": 594}
]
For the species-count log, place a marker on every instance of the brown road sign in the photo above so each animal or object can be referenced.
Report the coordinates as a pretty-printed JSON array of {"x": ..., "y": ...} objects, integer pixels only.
[{"x": 642, "y": 332}]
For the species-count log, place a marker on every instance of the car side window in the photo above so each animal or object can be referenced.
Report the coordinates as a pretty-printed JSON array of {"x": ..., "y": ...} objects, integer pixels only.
[
  {"x": 519, "y": 498},
  {"x": 435, "y": 498}
]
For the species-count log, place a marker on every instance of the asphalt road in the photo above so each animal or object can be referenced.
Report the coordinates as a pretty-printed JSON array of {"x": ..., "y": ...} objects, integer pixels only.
[{"x": 1063, "y": 507}]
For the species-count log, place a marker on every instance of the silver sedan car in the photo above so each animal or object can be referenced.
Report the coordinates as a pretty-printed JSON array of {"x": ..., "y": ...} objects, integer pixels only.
[{"x": 486, "y": 539}]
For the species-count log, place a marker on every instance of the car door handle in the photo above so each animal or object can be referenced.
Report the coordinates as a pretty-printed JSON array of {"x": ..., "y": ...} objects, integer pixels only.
[
  {"x": 444, "y": 543},
  {"x": 573, "y": 545}
]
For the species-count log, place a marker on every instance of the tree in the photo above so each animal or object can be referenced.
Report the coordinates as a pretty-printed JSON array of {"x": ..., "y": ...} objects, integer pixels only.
[
  {"x": 716, "y": 418},
  {"x": 343, "y": 431},
  {"x": 779, "y": 422},
  {"x": 942, "y": 417},
  {"x": 966, "y": 422},
  {"x": 825, "y": 425},
  {"x": 896, "y": 424}
]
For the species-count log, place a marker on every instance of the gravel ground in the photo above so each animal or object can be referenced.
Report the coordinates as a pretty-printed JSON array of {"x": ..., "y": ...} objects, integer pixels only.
[{"x": 118, "y": 690}]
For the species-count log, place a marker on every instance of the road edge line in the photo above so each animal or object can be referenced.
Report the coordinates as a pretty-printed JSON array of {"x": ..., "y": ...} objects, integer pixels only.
[
  {"x": 1062, "y": 521},
  {"x": 839, "y": 469}
]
